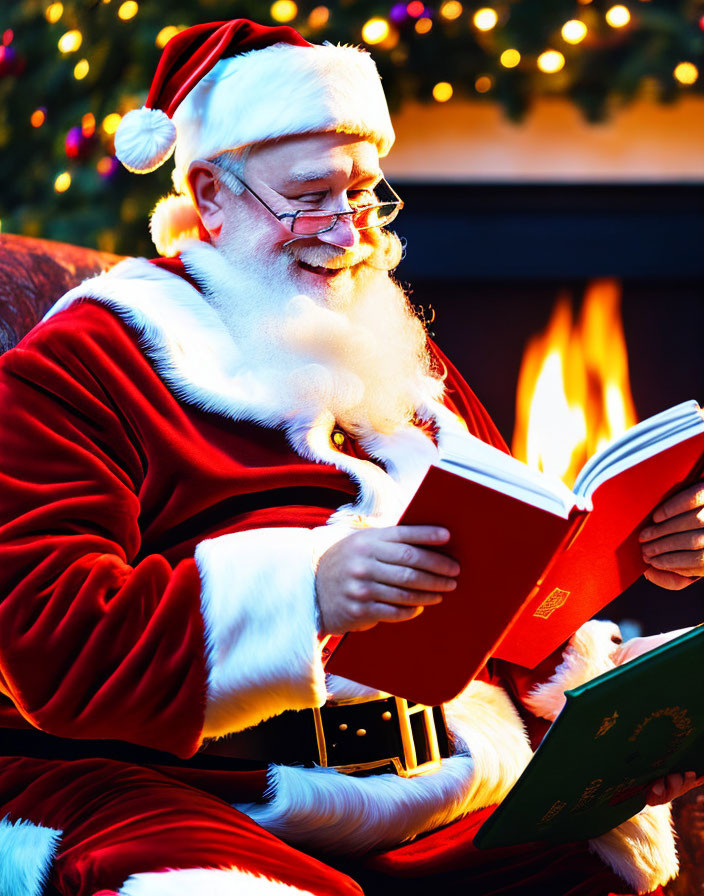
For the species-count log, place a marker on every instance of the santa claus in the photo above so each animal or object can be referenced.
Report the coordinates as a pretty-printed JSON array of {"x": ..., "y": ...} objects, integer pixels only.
[{"x": 202, "y": 458}]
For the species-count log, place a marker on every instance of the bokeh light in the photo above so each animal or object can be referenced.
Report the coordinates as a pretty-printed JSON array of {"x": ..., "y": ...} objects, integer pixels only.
[
  {"x": 81, "y": 69},
  {"x": 574, "y": 31},
  {"x": 70, "y": 41},
  {"x": 283, "y": 11},
  {"x": 618, "y": 16},
  {"x": 510, "y": 58},
  {"x": 62, "y": 182},
  {"x": 38, "y": 117},
  {"x": 483, "y": 84},
  {"x": 128, "y": 10},
  {"x": 375, "y": 31},
  {"x": 686, "y": 73},
  {"x": 485, "y": 19},
  {"x": 442, "y": 91},
  {"x": 423, "y": 25},
  {"x": 111, "y": 122},
  {"x": 551, "y": 61},
  {"x": 451, "y": 9},
  {"x": 319, "y": 17},
  {"x": 53, "y": 12}
]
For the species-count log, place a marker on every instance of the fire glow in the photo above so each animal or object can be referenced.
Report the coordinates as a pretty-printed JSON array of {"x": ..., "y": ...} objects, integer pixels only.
[{"x": 573, "y": 391}]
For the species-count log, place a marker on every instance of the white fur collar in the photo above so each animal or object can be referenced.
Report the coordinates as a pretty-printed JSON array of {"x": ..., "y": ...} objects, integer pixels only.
[{"x": 196, "y": 356}]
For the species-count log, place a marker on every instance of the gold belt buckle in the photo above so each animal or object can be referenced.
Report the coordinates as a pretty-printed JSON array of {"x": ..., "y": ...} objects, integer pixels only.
[{"x": 406, "y": 766}]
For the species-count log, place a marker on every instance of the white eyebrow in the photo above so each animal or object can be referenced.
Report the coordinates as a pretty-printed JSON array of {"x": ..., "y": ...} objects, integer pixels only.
[{"x": 303, "y": 176}]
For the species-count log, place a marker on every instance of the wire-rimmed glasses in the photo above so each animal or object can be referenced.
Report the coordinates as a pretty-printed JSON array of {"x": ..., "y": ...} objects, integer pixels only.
[{"x": 312, "y": 222}]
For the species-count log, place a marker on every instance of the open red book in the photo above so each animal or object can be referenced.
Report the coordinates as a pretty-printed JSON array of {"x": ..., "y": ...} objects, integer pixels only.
[{"x": 537, "y": 559}]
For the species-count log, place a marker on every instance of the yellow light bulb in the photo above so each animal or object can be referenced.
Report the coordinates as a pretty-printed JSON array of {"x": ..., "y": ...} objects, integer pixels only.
[
  {"x": 451, "y": 9},
  {"x": 375, "y": 31},
  {"x": 485, "y": 19},
  {"x": 319, "y": 17},
  {"x": 551, "y": 61},
  {"x": 423, "y": 25},
  {"x": 128, "y": 10},
  {"x": 510, "y": 58},
  {"x": 618, "y": 16},
  {"x": 81, "y": 69},
  {"x": 111, "y": 122},
  {"x": 574, "y": 31},
  {"x": 283, "y": 11},
  {"x": 442, "y": 91},
  {"x": 53, "y": 12},
  {"x": 70, "y": 41},
  {"x": 62, "y": 182},
  {"x": 686, "y": 73},
  {"x": 483, "y": 84}
]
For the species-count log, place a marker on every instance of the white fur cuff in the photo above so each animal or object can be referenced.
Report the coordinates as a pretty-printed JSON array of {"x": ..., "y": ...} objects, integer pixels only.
[
  {"x": 26, "y": 854},
  {"x": 213, "y": 881},
  {"x": 591, "y": 652},
  {"x": 262, "y": 647},
  {"x": 641, "y": 850}
]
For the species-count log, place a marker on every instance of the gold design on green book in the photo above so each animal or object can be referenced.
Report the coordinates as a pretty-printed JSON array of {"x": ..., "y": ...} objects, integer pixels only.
[
  {"x": 552, "y": 602},
  {"x": 607, "y": 723},
  {"x": 554, "y": 810},
  {"x": 588, "y": 794}
]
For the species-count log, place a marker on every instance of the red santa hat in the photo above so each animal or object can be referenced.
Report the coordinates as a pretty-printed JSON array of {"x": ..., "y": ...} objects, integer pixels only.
[{"x": 228, "y": 85}]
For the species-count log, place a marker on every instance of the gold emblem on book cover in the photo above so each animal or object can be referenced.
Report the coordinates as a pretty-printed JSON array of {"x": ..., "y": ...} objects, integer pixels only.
[{"x": 552, "y": 602}]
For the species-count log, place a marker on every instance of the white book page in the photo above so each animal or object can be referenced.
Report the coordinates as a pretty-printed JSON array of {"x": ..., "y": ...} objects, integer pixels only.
[
  {"x": 642, "y": 441},
  {"x": 473, "y": 459}
]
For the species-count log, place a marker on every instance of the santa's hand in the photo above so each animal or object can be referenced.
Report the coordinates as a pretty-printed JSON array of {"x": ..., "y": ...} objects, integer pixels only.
[
  {"x": 669, "y": 788},
  {"x": 382, "y": 575},
  {"x": 673, "y": 544}
]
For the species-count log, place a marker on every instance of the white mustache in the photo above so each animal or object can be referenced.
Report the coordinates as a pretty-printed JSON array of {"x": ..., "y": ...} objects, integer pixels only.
[{"x": 332, "y": 257}]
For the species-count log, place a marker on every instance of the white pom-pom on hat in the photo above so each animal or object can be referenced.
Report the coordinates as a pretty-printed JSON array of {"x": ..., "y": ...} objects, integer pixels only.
[{"x": 145, "y": 139}]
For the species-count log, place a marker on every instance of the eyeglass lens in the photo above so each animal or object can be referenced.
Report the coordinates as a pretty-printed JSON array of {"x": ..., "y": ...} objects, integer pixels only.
[{"x": 310, "y": 223}]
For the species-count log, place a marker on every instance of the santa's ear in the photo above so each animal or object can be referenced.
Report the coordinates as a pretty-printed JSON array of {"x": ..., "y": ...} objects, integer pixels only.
[{"x": 209, "y": 197}]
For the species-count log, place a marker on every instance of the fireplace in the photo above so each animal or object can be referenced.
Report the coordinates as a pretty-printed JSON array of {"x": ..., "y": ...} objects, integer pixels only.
[{"x": 487, "y": 264}]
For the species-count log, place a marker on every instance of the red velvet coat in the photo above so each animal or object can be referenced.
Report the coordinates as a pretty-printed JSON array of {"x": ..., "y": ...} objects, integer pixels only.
[{"x": 135, "y": 502}]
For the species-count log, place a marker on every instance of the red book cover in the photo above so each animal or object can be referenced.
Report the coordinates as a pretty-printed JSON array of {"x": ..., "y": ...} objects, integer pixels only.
[
  {"x": 503, "y": 546},
  {"x": 605, "y": 557}
]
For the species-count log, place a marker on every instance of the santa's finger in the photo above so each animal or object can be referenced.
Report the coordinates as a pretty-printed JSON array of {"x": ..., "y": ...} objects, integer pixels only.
[
  {"x": 419, "y": 558},
  {"x": 666, "y": 579},
  {"x": 407, "y": 577},
  {"x": 382, "y": 612},
  {"x": 688, "y": 499},
  {"x": 403, "y": 597},
  {"x": 680, "y": 541},
  {"x": 686, "y": 563},
  {"x": 683, "y": 522}
]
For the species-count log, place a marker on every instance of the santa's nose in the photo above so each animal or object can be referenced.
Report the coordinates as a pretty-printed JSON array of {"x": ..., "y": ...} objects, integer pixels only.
[{"x": 344, "y": 234}]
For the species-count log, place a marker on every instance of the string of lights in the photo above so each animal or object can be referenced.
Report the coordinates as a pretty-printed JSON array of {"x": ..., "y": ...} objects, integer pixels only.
[{"x": 70, "y": 70}]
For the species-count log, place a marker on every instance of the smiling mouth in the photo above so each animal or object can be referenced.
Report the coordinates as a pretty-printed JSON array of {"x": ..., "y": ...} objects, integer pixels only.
[{"x": 320, "y": 271}]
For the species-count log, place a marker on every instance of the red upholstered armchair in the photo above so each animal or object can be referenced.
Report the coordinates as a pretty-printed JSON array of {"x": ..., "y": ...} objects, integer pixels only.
[{"x": 35, "y": 273}]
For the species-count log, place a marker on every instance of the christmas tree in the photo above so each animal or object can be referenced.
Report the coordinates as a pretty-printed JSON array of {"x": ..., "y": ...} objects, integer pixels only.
[{"x": 69, "y": 71}]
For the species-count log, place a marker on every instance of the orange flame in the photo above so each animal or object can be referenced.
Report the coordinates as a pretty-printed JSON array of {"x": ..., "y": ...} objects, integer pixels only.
[{"x": 573, "y": 390}]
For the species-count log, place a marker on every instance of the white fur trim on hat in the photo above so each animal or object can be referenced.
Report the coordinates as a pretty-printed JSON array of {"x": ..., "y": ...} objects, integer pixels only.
[
  {"x": 173, "y": 223},
  {"x": 280, "y": 91},
  {"x": 145, "y": 139}
]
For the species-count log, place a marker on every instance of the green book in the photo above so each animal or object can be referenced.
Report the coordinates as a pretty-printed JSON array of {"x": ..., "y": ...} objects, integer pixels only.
[{"x": 615, "y": 736}]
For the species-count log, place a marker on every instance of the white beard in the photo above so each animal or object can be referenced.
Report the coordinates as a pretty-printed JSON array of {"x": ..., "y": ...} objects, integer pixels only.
[{"x": 353, "y": 348}]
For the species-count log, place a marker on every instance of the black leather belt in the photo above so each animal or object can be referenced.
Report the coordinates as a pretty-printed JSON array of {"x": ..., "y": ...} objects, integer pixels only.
[{"x": 358, "y": 736}]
